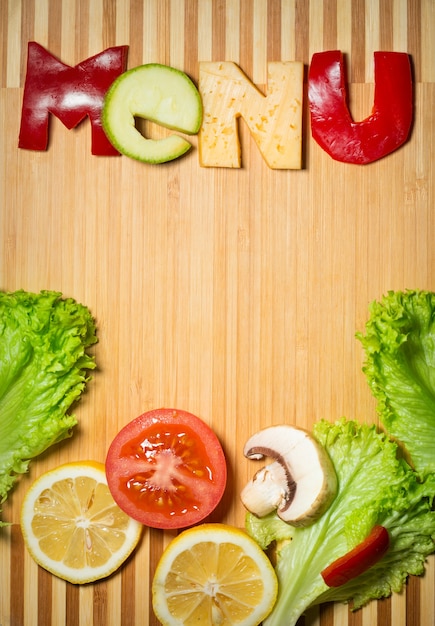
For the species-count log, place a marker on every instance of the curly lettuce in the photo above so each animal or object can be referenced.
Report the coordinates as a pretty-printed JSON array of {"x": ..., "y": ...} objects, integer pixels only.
[
  {"x": 43, "y": 362},
  {"x": 375, "y": 486},
  {"x": 399, "y": 346}
]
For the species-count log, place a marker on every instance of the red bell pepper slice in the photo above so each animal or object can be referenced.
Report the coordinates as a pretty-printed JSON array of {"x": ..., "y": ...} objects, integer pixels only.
[
  {"x": 383, "y": 131},
  {"x": 358, "y": 560},
  {"x": 69, "y": 93}
]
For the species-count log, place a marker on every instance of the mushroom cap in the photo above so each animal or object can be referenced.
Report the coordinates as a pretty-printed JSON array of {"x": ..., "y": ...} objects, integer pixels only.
[{"x": 310, "y": 478}]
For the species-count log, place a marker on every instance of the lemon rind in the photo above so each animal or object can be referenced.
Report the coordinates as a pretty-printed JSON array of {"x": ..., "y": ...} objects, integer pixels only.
[{"x": 133, "y": 531}]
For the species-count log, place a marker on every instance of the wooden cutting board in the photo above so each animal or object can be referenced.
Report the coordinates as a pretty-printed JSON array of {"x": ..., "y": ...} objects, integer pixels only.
[{"x": 233, "y": 294}]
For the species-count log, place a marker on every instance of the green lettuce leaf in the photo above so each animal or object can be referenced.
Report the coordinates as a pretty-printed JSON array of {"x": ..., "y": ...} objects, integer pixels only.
[
  {"x": 399, "y": 346},
  {"x": 375, "y": 486},
  {"x": 43, "y": 363}
]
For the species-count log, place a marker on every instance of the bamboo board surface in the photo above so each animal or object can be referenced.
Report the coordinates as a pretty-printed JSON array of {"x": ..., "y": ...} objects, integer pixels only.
[{"x": 233, "y": 294}]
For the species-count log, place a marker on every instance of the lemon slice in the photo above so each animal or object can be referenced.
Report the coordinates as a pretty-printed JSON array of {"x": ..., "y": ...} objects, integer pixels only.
[
  {"x": 213, "y": 574},
  {"x": 73, "y": 528}
]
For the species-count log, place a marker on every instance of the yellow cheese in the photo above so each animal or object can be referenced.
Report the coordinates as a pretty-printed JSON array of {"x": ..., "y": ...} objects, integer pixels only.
[{"x": 274, "y": 120}]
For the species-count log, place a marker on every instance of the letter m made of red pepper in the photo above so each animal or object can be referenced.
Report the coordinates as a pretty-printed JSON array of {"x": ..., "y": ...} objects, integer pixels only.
[{"x": 69, "y": 93}]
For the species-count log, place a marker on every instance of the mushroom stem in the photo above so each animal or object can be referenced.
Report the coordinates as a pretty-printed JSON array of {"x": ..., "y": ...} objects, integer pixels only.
[{"x": 268, "y": 490}]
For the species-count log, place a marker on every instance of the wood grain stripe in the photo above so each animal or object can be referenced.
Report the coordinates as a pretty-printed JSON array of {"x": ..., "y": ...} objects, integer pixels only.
[
  {"x": 414, "y": 37},
  {"x": 316, "y": 28},
  {"x": 28, "y": 33},
  {"x": 427, "y": 600},
  {"x": 128, "y": 594},
  {"x": 232, "y": 31},
  {"x": 344, "y": 28},
  {"x": 121, "y": 23},
  {"x": 67, "y": 51},
  {"x": 358, "y": 618},
  {"x": 191, "y": 41},
  {"x": 16, "y": 573},
  {"x": 58, "y": 601},
  {"x": 413, "y": 614},
  {"x": 273, "y": 37},
  {"x": 163, "y": 25},
  {"x": 100, "y": 615},
  {"x": 177, "y": 34},
  {"x": 301, "y": 28},
  {"x": 149, "y": 17},
  {"x": 109, "y": 23},
  {"x": 386, "y": 25},
  {"x": 156, "y": 545},
  {"x": 3, "y": 42},
  {"x": 55, "y": 10},
  {"x": 372, "y": 37},
  {"x": 141, "y": 36},
  {"x": 86, "y": 614},
  {"x": 45, "y": 590},
  {"x": 81, "y": 30},
  {"x": 384, "y": 613},
  {"x": 218, "y": 30},
  {"x": 14, "y": 48},
  {"x": 246, "y": 36},
  {"x": 288, "y": 31},
  {"x": 96, "y": 27},
  {"x": 427, "y": 31},
  {"x": 259, "y": 44},
  {"x": 72, "y": 605},
  {"x": 326, "y": 614},
  {"x": 357, "y": 60},
  {"x": 330, "y": 25},
  {"x": 398, "y": 610}
]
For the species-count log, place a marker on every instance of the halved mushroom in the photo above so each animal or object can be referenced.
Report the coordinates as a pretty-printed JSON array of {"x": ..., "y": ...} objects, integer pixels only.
[{"x": 300, "y": 483}]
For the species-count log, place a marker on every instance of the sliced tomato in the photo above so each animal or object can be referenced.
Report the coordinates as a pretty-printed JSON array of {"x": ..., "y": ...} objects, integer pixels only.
[
  {"x": 166, "y": 469},
  {"x": 358, "y": 560}
]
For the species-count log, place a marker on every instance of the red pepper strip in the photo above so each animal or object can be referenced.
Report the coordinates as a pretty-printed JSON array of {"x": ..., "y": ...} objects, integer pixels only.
[
  {"x": 383, "y": 131},
  {"x": 70, "y": 93},
  {"x": 358, "y": 560}
]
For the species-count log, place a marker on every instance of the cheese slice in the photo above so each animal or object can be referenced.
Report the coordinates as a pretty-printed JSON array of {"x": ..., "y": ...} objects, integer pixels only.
[{"x": 274, "y": 120}]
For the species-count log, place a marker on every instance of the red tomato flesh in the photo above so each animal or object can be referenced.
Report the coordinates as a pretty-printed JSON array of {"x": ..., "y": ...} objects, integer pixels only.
[
  {"x": 358, "y": 560},
  {"x": 166, "y": 469}
]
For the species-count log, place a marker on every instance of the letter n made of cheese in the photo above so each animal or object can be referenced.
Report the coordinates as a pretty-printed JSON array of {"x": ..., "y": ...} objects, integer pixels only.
[{"x": 274, "y": 120}]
